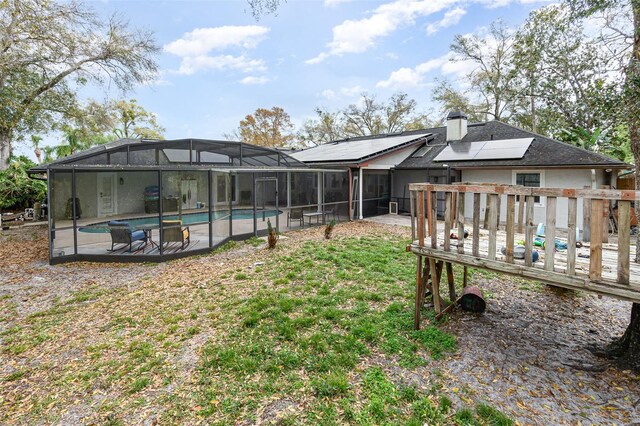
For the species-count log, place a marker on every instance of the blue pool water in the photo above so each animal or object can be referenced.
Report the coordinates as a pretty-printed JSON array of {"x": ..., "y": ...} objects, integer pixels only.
[{"x": 187, "y": 219}]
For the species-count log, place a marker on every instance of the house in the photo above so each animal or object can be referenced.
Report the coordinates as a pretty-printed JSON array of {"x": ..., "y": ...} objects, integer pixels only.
[
  {"x": 496, "y": 152},
  {"x": 382, "y": 166}
]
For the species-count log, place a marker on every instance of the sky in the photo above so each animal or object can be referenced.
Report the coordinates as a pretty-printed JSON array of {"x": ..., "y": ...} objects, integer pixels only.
[{"x": 218, "y": 64}]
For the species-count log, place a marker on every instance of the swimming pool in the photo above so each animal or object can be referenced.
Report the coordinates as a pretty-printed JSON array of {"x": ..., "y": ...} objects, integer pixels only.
[{"x": 187, "y": 219}]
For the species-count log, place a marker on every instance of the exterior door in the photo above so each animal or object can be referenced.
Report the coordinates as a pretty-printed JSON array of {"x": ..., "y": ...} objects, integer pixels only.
[
  {"x": 189, "y": 193},
  {"x": 106, "y": 194}
]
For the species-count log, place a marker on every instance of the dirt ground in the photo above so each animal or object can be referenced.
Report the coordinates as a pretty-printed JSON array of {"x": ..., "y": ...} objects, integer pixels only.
[{"x": 527, "y": 354}]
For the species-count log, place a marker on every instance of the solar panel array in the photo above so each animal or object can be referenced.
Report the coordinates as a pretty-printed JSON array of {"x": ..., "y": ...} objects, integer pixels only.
[
  {"x": 353, "y": 150},
  {"x": 502, "y": 149}
]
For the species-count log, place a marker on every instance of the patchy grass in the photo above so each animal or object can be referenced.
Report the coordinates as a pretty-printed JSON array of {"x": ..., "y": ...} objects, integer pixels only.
[{"x": 320, "y": 333}]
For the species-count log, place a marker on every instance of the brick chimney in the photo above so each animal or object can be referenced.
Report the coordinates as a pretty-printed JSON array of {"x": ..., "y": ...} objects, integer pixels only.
[{"x": 456, "y": 126}]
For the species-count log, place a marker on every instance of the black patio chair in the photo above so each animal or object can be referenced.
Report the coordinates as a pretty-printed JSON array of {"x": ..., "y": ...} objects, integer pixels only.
[{"x": 122, "y": 233}]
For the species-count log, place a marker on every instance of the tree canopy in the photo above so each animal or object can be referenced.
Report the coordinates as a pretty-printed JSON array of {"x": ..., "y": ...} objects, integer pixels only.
[
  {"x": 48, "y": 50},
  {"x": 366, "y": 117},
  {"x": 267, "y": 127}
]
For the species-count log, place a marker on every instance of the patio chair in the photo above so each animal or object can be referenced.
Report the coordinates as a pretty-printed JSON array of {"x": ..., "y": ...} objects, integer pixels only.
[
  {"x": 122, "y": 233},
  {"x": 295, "y": 214},
  {"x": 330, "y": 212},
  {"x": 173, "y": 231}
]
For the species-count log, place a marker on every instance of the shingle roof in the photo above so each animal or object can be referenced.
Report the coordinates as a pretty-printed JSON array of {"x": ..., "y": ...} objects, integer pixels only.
[
  {"x": 543, "y": 152},
  {"x": 355, "y": 150}
]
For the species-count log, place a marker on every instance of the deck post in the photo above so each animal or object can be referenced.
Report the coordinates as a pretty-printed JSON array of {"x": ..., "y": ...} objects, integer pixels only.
[
  {"x": 451, "y": 282},
  {"x": 429, "y": 224},
  {"x": 419, "y": 293},
  {"x": 464, "y": 276},
  {"x": 435, "y": 287}
]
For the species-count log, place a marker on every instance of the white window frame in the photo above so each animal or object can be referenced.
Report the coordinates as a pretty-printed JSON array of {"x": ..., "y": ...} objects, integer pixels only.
[{"x": 514, "y": 173}]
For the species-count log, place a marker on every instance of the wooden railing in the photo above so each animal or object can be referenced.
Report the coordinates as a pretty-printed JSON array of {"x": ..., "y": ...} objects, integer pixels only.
[{"x": 557, "y": 267}]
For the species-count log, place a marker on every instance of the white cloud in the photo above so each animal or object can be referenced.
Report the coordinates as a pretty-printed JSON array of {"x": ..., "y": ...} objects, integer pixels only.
[
  {"x": 332, "y": 3},
  {"x": 190, "y": 65},
  {"x": 203, "y": 40},
  {"x": 355, "y": 36},
  {"x": 329, "y": 94},
  {"x": 452, "y": 17},
  {"x": 343, "y": 92},
  {"x": 195, "y": 47},
  {"x": 413, "y": 77},
  {"x": 254, "y": 80}
]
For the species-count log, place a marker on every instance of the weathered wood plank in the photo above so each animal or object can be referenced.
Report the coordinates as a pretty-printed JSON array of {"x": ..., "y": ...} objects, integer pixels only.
[
  {"x": 624, "y": 240},
  {"x": 447, "y": 220},
  {"x": 475, "y": 245},
  {"x": 419, "y": 293},
  {"x": 521, "y": 204},
  {"x": 420, "y": 214},
  {"x": 428, "y": 197},
  {"x": 550, "y": 234},
  {"x": 433, "y": 215},
  {"x": 604, "y": 287},
  {"x": 435, "y": 286},
  {"x": 461, "y": 197},
  {"x": 605, "y": 215},
  {"x": 412, "y": 209},
  {"x": 572, "y": 211},
  {"x": 464, "y": 276},
  {"x": 493, "y": 225},
  {"x": 511, "y": 218},
  {"x": 586, "y": 218},
  {"x": 604, "y": 194},
  {"x": 451, "y": 282},
  {"x": 529, "y": 229},
  {"x": 595, "y": 248}
]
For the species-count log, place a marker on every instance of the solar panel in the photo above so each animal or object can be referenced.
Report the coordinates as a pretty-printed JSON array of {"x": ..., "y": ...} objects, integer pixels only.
[{"x": 502, "y": 149}]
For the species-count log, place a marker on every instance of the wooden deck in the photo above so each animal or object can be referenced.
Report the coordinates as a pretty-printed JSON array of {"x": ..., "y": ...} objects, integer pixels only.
[{"x": 599, "y": 267}]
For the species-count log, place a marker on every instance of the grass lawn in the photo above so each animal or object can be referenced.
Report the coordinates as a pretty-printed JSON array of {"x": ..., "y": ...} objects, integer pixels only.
[{"x": 314, "y": 332}]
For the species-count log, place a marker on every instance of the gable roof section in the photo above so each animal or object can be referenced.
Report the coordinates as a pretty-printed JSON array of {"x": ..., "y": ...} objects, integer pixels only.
[
  {"x": 542, "y": 153},
  {"x": 358, "y": 150}
]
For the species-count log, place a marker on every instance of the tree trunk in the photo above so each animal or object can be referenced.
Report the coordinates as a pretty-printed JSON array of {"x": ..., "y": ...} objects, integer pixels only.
[
  {"x": 626, "y": 350},
  {"x": 5, "y": 150}
]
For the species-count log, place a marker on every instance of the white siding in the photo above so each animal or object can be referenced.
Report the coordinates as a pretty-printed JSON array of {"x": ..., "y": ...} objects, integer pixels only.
[{"x": 550, "y": 178}]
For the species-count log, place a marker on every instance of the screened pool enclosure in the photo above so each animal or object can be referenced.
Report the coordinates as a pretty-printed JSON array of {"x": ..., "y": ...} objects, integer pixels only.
[{"x": 139, "y": 200}]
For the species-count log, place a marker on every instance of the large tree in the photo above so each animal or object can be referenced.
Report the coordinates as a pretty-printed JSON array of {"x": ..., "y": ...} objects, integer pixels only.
[
  {"x": 267, "y": 127},
  {"x": 494, "y": 78},
  {"x": 566, "y": 74},
  {"x": 366, "y": 117},
  {"x": 48, "y": 50},
  {"x": 626, "y": 350}
]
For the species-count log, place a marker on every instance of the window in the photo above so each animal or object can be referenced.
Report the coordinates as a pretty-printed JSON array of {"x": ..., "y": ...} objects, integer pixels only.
[{"x": 531, "y": 180}]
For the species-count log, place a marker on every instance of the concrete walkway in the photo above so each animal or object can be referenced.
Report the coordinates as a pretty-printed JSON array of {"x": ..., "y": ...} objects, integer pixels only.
[{"x": 391, "y": 219}]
